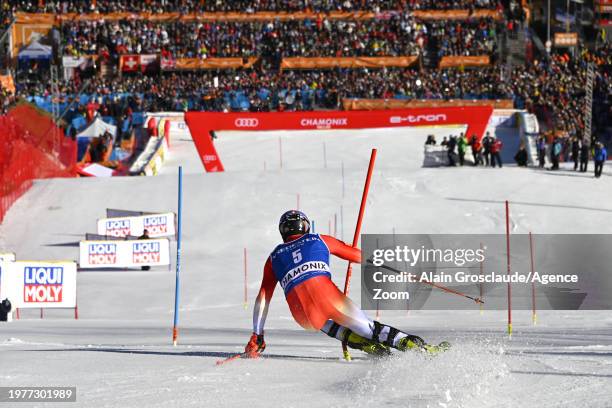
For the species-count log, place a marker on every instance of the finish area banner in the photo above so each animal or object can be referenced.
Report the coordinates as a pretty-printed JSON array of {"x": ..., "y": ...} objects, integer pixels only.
[{"x": 202, "y": 123}]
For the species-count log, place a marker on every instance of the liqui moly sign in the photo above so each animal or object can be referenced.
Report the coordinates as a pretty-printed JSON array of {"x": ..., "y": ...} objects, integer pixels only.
[
  {"x": 43, "y": 284},
  {"x": 117, "y": 228},
  {"x": 157, "y": 225},
  {"x": 102, "y": 253},
  {"x": 124, "y": 254},
  {"x": 146, "y": 252},
  {"x": 30, "y": 284}
]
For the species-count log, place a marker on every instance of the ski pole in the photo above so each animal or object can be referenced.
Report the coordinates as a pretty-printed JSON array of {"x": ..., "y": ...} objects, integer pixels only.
[
  {"x": 435, "y": 285},
  {"x": 349, "y": 269}
]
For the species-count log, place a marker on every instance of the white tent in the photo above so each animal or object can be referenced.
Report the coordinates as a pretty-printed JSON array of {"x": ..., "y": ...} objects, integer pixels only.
[
  {"x": 35, "y": 50},
  {"x": 97, "y": 129}
]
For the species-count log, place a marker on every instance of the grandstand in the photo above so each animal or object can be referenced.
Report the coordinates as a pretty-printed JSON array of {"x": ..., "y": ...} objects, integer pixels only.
[{"x": 116, "y": 60}]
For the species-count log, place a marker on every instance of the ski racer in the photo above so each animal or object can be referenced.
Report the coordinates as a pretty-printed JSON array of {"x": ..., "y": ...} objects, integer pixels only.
[{"x": 301, "y": 265}]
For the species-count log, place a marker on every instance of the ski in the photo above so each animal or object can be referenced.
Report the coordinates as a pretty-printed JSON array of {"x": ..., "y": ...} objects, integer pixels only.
[
  {"x": 434, "y": 349},
  {"x": 245, "y": 354}
]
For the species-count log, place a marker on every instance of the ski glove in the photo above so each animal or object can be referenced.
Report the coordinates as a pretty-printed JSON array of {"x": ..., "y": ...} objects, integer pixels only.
[{"x": 256, "y": 344}]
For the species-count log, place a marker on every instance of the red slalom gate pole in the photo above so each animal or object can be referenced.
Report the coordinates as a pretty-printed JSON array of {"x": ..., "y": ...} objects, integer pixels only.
[
  {"x": 508, "y": 262},
  {"x": 534, "y": 316},
  {"x": 366, "y": 189},
  {"x": 349, "y": 269}
]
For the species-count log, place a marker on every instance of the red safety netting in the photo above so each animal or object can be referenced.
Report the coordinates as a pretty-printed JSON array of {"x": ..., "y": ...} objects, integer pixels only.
[{"x": 31, "y": 147}]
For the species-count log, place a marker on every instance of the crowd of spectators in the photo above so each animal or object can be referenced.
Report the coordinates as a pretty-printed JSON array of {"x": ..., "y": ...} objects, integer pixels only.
[
  {"x": 552, "y": 88},
  {"x": 461, "y": 38},
  {"x": 7, "y": 99},
  {"x": 249, "y": 6},
  {"x": 6, "y": 15},
  {"x": 556, "y": 88},
  {"x": 273, "y": 90},
  {"x": 398, "y": 35}
]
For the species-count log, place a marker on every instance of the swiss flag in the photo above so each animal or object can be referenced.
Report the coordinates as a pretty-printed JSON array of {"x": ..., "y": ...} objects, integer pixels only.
[{"x": 129, "y": 63}]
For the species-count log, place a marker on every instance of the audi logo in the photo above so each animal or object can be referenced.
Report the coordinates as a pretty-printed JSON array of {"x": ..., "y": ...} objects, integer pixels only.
[{"x": 246, "y": 122}]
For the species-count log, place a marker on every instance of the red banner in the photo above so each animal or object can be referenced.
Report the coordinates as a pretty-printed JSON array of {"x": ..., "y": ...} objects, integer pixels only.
[
  {"x": 202, "y": 123},
  {"x": 604, "y": 22}
]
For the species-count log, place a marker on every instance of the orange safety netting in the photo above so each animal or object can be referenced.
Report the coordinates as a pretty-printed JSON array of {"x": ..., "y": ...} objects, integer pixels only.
[{"x": 31, "y": 147}]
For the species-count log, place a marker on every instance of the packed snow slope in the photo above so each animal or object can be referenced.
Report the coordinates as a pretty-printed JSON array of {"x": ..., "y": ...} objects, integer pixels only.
[{"x": 118, "y": 354}]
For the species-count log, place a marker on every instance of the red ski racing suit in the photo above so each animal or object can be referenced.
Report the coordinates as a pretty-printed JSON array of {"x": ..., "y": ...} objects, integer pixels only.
[{"x": 301, "y": 265}]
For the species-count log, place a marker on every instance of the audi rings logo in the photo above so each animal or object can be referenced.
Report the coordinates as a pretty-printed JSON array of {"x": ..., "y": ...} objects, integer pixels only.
[{"x": 246, "y": 122}]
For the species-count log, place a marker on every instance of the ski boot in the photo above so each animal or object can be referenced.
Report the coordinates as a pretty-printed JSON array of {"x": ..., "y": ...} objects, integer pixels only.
[
  {"x": 411, "y": 343},
  {"x": 373, "y": 348}
]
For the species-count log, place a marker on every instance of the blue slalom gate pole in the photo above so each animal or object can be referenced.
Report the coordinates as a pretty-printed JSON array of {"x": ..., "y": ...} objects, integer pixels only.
[{"x": 178, "y": 256}]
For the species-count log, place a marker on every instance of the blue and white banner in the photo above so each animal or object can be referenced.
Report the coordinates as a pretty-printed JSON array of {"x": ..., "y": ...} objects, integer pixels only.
[
  {"x": 157, "y": 225},
  {"x": 124, "y": 254},
  {"x": 36, "y": 284}
]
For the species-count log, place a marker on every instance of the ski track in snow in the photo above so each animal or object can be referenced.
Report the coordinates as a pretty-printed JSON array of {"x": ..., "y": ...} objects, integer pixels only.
[{"x": 118, "y": 353}]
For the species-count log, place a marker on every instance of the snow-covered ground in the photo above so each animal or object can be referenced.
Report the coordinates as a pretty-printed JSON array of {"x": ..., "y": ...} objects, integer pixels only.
[{"x": 119, "y": 353}]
